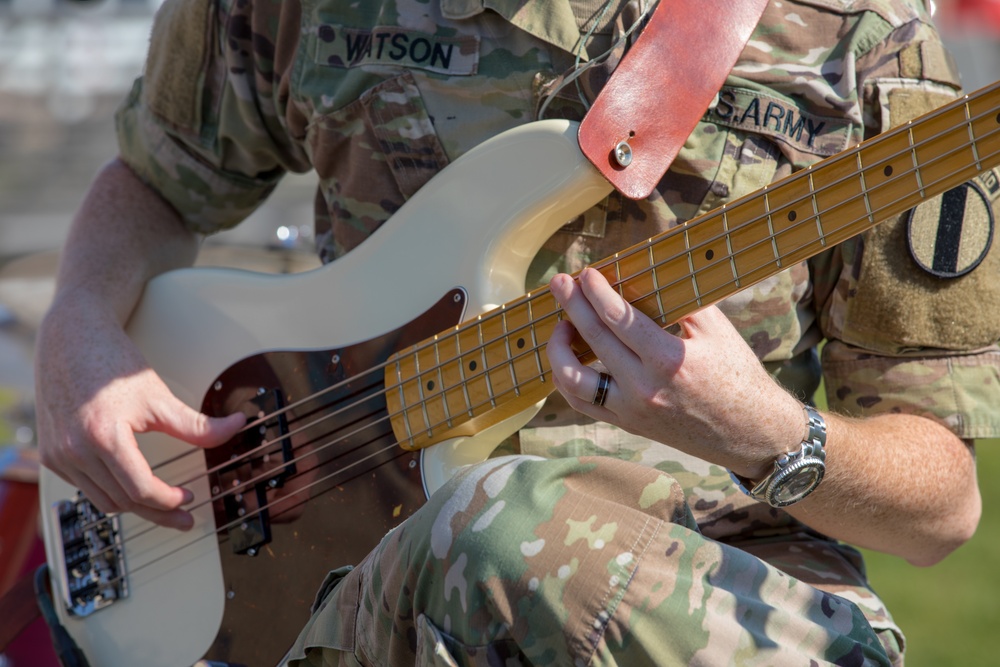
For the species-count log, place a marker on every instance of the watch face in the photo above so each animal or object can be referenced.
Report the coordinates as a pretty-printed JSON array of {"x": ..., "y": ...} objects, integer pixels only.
[{"x": 797, "y": 484}]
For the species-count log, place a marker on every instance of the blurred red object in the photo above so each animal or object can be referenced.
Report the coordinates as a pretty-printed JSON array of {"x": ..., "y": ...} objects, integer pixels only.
[
  {"x": 21, "y": 552},
  {"x": 33, "y": 647},
  {"x": 970, "y": 16}
]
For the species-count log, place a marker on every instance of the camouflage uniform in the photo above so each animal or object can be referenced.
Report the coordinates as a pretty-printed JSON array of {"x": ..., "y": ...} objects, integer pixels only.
[{"x": 377, "y": 97}]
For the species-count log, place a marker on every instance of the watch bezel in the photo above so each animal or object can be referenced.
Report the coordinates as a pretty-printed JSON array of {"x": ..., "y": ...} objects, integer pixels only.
[{"x": 782, "y": 478}]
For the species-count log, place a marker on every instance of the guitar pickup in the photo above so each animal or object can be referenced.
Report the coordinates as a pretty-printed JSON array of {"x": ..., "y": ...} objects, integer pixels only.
[
  {"x": 262, "y": 459},
  {"x": 91, "y": 559}
]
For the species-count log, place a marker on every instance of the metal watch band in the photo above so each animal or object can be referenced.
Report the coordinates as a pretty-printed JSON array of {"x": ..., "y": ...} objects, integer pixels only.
[
  {"x": 815, "y": 428},
  {"x": 796, "y": 474}
]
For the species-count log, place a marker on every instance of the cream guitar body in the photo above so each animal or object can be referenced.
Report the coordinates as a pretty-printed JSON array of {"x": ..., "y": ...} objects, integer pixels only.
[{"x": 467, "y": 239}]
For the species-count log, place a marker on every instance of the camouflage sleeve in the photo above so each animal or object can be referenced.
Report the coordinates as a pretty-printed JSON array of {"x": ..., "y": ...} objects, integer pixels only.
[
  {"x": 911, "y": 309},
  {"x": 202, "y": 126}
]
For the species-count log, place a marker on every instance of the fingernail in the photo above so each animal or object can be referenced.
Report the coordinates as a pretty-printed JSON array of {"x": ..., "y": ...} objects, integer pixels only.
[{"x": 188, "y": 496}]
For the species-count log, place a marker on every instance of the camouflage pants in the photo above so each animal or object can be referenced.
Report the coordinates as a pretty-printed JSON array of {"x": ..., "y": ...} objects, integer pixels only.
[{"x": 591, "y": 560}]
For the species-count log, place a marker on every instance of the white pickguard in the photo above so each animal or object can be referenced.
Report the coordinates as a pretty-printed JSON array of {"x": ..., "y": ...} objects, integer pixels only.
[{"x": 476, "y": 225}]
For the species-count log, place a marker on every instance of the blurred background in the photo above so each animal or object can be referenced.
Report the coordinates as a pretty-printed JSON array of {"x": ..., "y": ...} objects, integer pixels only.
[{"x": 65, "y": 64}]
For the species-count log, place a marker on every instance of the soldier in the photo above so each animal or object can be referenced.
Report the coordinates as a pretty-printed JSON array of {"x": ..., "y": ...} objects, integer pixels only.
[{"x": 614, "y": 531}]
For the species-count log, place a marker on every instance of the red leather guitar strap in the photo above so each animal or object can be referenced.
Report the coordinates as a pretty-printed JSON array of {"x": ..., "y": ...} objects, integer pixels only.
[{"x": 662, "y": 87}]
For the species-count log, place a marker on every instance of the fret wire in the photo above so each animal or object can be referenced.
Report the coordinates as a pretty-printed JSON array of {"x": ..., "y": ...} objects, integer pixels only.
[
  {"x": 461, "y": 371},
  {"x": 442, "y": 383},
  {"x": 486, "y": 366},
  {"x": 972, "y": 137},
  {"x": 618, "y": 275},
  {"x": 402, "y": 400},
  {"x": 770, "y": 228},
  {"x": 420, "y": 389},
  {"x": 916, "y": 162},
  {"x": 729, "y": 250},
  {"x": 510, "y": 356},
  {"x": 692, "y": 273},
  {"x": 493, "y": 398},
  {"x": 815, "y": 206},
  {"x": 691, "y": 302},
  {"x": 656, "y": 280},
  {"x": 661, "y": 289},
  {"x": 864, "y": 186},
  {"x": 533, "y": 334}
]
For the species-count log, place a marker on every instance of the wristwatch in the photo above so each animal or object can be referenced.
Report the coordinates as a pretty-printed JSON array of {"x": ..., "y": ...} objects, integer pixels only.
[{"x": 796, "y": 474}]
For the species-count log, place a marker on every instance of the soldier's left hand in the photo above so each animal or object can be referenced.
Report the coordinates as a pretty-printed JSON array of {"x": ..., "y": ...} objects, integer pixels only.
[{"x": 702, "y": 391}]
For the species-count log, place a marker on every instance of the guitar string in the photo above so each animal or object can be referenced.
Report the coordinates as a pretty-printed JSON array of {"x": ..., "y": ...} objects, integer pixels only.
[
  {"x": 619, "y": 258},
  {"x": 248, "y": 484}
]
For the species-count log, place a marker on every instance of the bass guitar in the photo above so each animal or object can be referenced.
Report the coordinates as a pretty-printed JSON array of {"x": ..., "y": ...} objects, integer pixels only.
[{"x": 368, "y": 382}]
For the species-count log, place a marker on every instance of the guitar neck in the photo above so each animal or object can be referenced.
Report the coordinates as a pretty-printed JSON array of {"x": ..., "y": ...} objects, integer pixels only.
[{"x": 493, "y": 367}]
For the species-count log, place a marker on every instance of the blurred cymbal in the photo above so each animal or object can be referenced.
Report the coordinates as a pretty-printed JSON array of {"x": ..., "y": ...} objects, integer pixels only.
[{"x": 27, "y": 284}]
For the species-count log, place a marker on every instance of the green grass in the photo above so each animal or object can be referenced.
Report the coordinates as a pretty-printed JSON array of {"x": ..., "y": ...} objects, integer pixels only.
[{"x": 950, "y": 612}]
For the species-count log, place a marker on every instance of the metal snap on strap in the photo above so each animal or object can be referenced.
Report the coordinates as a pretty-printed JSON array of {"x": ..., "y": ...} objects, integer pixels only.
[{"x": 623, "y": 153}]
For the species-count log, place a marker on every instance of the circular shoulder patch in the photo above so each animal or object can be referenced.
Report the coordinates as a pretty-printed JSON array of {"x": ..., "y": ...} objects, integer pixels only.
[{"x": 951, "y": 234}]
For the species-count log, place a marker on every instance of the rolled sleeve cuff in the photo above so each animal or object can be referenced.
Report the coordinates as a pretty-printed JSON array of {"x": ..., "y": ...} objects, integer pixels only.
[
  {"x": 208, "y": 199},
  {"x": 960, "y": 391}
]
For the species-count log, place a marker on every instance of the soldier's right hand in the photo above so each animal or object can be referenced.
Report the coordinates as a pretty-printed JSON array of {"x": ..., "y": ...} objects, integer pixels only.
[{"x": 94, "y": 392}]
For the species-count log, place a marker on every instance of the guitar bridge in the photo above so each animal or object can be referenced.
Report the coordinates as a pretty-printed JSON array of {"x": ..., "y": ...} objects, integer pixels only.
[{"x": 91, "y": 559}]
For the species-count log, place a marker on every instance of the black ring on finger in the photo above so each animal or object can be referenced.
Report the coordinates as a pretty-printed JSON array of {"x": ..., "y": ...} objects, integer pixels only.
[{"x": 603, "y": 384}]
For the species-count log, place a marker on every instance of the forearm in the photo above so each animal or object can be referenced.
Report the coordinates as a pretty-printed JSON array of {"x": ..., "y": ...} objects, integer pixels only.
[{"x": 895, "y": 483}]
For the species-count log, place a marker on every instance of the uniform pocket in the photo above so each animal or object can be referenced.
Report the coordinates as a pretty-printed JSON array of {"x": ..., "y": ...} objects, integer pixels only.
[
  {"x": 438, "y": 649},
  {"x": 332, "y": 628},
  {"x": 371, "y": 156}
]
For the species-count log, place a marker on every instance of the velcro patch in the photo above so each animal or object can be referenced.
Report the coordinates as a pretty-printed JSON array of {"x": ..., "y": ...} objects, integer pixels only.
[
  {"x": 780, "y": 119},
  {"x": 171, "y": 82},
  {"x": 950, "y": 236},
  {"x": 928, "y": 278},
  {"x": 337, "y": 46},
  {"x": 929, "y": 60}
]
